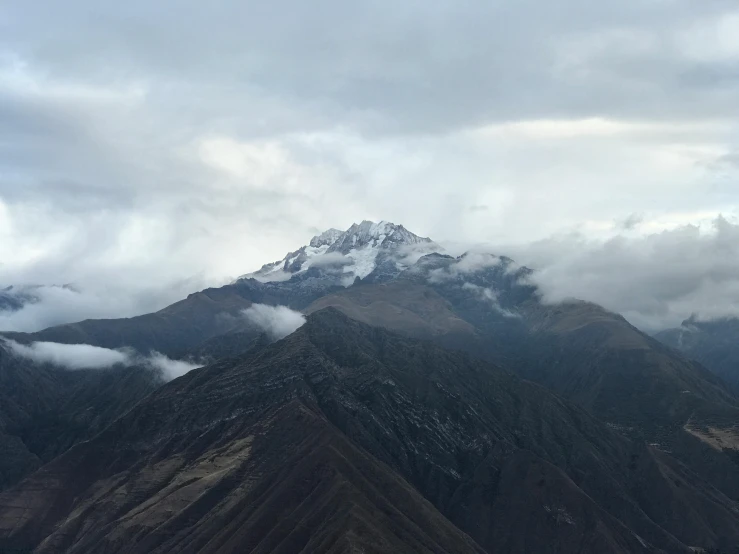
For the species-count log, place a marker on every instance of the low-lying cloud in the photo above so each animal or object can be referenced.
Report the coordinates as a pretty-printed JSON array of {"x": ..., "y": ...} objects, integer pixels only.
[
  {"x": 171, "y": 369},
  {"x": 48, "y": 305},
  {"x": 276, "y": 321},
  {"x": 490, "y": 297},
  {"x": 70, "y": 356},
  {"x": 468, "y": 263},
  {"x": 331, "y": 259},
  {"x": 86, "y": 356}
]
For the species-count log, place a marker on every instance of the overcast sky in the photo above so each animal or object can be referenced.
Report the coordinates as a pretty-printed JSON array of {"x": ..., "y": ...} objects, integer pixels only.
[{"x": 149, "y": 149}]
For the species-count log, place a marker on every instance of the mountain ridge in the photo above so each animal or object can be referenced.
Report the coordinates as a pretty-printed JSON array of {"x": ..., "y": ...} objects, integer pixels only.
[{"x": 394, "y": 401}]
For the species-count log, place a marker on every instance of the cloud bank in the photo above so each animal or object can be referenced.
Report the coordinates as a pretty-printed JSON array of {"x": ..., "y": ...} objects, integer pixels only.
[
  {"x": 276, "y": 321},
  {"x": 85, "y": 356},
  {"x": 656, "y": 281},
  {"x": 49, "y": 305}
]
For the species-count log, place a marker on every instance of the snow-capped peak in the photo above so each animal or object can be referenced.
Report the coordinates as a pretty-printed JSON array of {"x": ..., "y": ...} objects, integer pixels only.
[
  {"x": 382, "y": 234},
  {"x": 349, "y": 254}
]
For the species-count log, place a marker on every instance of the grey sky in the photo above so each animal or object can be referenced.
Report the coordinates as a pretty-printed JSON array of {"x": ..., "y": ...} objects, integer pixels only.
[{"x": 149, "y": 144}]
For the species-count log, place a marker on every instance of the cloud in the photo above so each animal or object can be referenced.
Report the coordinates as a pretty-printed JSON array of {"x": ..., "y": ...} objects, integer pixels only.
[
  {"x": 630, "y": 222},
  {"x": 276, "y": 321},
  {"x": 408, "y": 254},
  {"x": 330, "y": 259},
  {"x": 468, "y": 263},
  {"x": 656, "y": 281},
  {"x": 70, "y": 356},
  {"x": 489, "y": 296},
  {"x": 171, "y": 369},
  {"x": 85, "y": 356},
  {"x": 48, "y": 305}
]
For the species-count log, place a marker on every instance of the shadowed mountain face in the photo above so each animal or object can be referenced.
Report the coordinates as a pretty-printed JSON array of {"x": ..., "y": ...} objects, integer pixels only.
[
  {"x": 575, "y": 348},
  {"x": 345, "y": 438},
  {"x": 596, "y": 358}
]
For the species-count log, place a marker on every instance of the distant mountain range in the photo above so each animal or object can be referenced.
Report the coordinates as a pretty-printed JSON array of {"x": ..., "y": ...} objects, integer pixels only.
[
  {"x": 713, "y": 343},
  {"x": 430, "y": 403}
]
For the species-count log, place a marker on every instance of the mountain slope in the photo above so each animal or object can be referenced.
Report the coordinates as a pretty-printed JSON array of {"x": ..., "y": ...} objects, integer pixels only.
[
  {"x": 486, "y": 306},
  {"x": 578, "y": 349},
  {"x": 328, "y": 441}
]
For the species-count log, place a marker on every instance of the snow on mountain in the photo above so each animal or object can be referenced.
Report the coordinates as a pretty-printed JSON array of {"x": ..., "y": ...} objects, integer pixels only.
[{"x": 357, "y": 252}]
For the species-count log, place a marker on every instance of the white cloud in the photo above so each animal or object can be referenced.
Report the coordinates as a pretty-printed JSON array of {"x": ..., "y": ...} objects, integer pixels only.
[
  {"x": 655, "y": 281},
  {"x": 469, "y": 262},
  {"x": 70, "y": 356},
  {"x": 276, "y": 321},
  {"x": 171, "y": 369},
  {"x": 490, "y": 297},
  {"x": 595, "y": 127},
  {"x": 85, "y": 356},
  {"x": 330, "y": 259},
  {"x": 55, "y": 305}
]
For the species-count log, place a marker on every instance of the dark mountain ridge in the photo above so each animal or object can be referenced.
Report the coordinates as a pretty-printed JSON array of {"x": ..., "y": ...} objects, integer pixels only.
[{"x": 337, "y": 434}]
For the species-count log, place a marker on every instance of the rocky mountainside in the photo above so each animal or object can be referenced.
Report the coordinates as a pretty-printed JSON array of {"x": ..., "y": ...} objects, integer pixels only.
[{"x": 344, "y": 438}]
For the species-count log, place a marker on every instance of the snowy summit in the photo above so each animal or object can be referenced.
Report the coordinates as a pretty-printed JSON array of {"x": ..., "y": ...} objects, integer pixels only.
[{"x": 359, "y": 251}]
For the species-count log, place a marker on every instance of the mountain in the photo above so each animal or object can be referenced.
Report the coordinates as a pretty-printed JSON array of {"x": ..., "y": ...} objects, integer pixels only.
[
  {"x": 665, "y": 418},
  {"x": 374, "y": 252},
  {"x": 378, "y": 249},
  {"x": 714, "y": 343},
  {"x": 347, "y": 438},
  {"x": 485, "y": 305}
]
